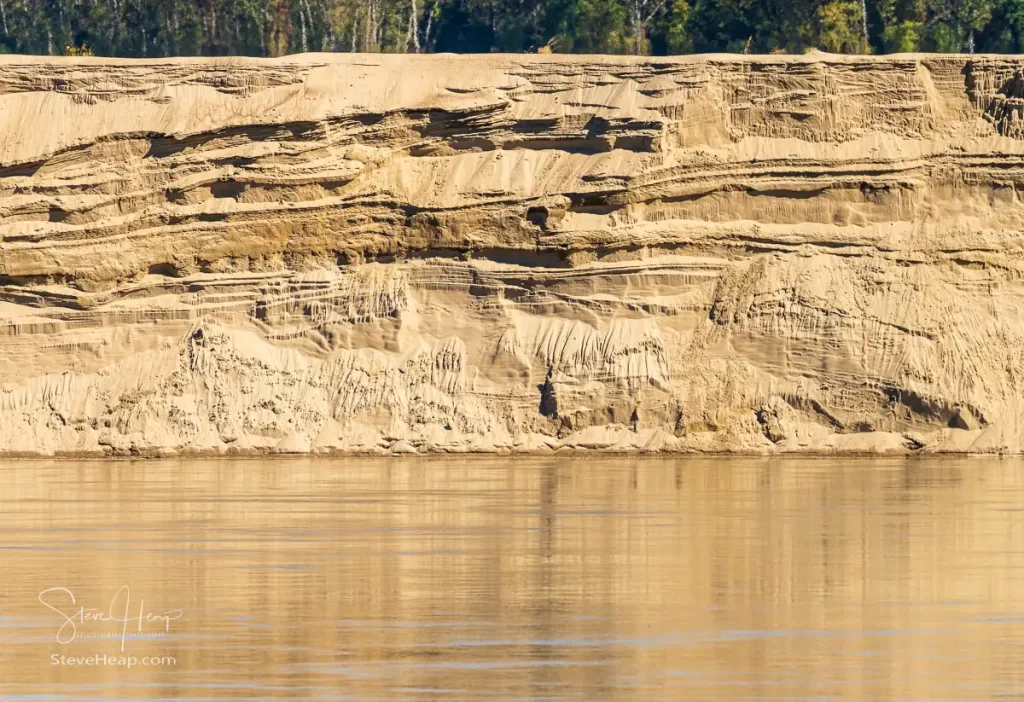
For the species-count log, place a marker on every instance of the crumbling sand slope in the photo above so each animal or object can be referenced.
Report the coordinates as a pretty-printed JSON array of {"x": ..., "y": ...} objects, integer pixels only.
[{"x": 476, "y": 253}]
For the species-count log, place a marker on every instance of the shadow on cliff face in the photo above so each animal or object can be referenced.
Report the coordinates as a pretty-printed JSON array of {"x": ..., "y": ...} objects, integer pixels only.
[{"x": 912, "y": 407}]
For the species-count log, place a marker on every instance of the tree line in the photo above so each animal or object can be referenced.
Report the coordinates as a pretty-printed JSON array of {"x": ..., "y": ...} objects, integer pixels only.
[{"x": 156, "y": 28}]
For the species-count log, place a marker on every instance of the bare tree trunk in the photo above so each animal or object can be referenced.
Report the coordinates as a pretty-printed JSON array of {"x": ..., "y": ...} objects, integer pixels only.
[
  {"x": 414, "y": 33},
  {"x": 426, "y": 32},
  {"x": 142, "y": 31},
  {"x": 329, "y": 43},
  {"x": 170, "y": 48},
  {"x": 117, "y": 22},
  {"x": 864, "y": 21},
  {"x": 3, "y": 14},
  {"x": 213, "y": 26},
  {"x": 638, "y": 30},
  {"x": 371, "y": 30},
  {"x": 640, "y": 17},
  {"x": 309, "y": 21}
]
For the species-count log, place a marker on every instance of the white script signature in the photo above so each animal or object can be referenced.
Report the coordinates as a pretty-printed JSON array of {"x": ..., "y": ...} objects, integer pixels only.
[{"x": 62, "y": 601}]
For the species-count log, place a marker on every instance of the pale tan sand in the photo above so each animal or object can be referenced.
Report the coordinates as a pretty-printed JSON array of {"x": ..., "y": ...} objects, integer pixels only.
[{"x": 362, "y": 253}]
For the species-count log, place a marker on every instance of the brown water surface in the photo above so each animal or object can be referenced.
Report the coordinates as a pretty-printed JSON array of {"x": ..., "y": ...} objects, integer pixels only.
[{"x": 513, "y": 579}]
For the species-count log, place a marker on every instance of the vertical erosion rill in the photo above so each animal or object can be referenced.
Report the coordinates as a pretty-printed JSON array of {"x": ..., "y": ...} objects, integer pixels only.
[{"x": 350, "y": 253}]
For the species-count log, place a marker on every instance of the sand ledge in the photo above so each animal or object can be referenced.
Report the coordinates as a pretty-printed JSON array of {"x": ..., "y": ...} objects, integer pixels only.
[{"x": 347, "y": 254}]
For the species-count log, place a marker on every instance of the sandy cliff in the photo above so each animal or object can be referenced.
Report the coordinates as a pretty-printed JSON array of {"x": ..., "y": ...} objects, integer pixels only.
[{"x": 439, "y": 253}]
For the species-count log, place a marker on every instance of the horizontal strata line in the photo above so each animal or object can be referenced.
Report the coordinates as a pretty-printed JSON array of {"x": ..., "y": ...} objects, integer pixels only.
[
  {"x": 610, "y": 241},
  {"x": 286, "y": 292},
  {"x": 844, "y": 171},
  {"x": 369, "y": 232},
  {"x": 86, "y": 309}
]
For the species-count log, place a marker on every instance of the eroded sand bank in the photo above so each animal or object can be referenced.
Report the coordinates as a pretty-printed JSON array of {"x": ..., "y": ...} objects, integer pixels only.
[{"x": 364, "y": 253}]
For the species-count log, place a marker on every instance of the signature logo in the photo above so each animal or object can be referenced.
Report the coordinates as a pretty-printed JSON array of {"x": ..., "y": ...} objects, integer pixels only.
[{"x": 75, "y": 616}]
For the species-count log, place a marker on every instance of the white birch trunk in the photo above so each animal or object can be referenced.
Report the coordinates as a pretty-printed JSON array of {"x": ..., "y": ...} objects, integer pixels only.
[{"x": 414, "y": 33}]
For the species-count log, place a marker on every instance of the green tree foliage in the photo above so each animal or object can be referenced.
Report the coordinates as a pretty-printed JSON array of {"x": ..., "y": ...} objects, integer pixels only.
[
  {"x": 671, "y": 35},
  {"x": 1005, "y": 31},
  {"x": 953, "y": 24},
  {"x": 599, "y": 27},
  {"x": 155, "y": 28},
  {"x": 840, "y": 23}
]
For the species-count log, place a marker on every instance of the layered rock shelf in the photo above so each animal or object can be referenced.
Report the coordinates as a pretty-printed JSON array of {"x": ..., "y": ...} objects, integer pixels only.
[{"x": 415, "y": 254}]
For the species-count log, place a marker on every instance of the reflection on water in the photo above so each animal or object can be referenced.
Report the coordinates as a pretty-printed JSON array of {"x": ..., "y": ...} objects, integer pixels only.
[{"x": 518, "y": 579}]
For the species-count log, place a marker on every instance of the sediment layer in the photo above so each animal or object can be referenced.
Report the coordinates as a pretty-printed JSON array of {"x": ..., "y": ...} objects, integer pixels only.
[{"x": 367, "y": 253}]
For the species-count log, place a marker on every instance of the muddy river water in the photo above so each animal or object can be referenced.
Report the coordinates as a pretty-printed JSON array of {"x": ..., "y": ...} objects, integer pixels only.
[{"x": 513, "y": 578}]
